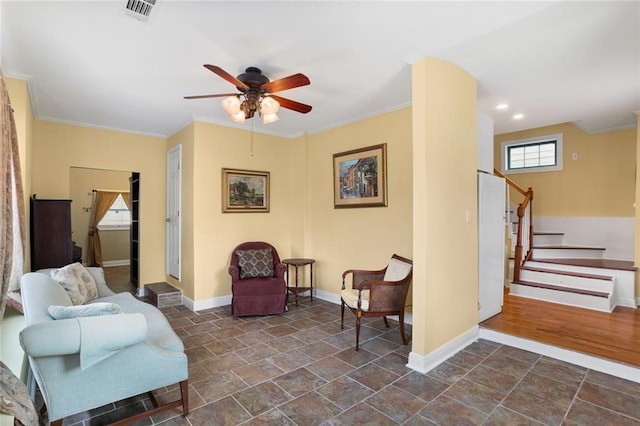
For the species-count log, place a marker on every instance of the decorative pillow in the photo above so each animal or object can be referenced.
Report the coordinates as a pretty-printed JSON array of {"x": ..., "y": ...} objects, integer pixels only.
[
  {"x": 77, "y": 281},
  {"x": 255, "y": 263},
  {"x": 397, "y": 270},
  {"x": 90, "y": 310}
]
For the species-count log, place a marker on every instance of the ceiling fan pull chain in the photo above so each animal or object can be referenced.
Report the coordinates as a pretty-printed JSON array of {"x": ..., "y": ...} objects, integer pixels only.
[{"x": 251, "y": 141}]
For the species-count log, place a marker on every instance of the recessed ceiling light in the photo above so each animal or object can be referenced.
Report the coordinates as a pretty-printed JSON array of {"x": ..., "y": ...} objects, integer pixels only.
[
  {"x": 502, "y": 106},
  {"x": 518, "y": 116}
]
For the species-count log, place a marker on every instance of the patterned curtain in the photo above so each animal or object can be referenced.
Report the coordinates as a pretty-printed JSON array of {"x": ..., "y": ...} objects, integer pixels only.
[
  {"x": 101, "y": 204},
  {"x": 11, "y": 202}
]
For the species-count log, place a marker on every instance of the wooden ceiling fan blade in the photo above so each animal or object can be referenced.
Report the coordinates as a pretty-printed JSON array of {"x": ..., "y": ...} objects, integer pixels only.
[
  {"x": 292, "y": 105},
  {"x": 218, "y": 95},
  {"x": 291, "y": 82},
  {"x": 222, "y": 73}
]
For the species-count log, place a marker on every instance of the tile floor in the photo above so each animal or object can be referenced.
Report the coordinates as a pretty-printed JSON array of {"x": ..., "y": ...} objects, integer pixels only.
[{"x": 301, "y": 369}]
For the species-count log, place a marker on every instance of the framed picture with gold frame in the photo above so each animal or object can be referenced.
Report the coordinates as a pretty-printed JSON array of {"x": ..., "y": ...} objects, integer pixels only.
[
  {"x": 360, "y": 177},
  {"x": 245, "y": 191}
]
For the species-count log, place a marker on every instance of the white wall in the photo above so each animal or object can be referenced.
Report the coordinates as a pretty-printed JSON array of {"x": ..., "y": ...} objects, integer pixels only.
[{"x": 615, "y": 234}]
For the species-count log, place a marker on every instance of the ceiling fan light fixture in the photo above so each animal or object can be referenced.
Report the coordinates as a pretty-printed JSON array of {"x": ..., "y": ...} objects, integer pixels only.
[
  {"x": 238, "y": 117},
  {"x": 231, "y": 105},
  {"x": 256, "y": 95},
  {"x": 268, "y": 106},
  {"x": 270, "y": 118}
]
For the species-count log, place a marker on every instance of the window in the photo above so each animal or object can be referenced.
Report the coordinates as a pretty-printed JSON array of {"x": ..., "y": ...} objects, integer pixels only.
[
  {"x": 117, "y": 218},
  {"x": 540, "y": 154}
]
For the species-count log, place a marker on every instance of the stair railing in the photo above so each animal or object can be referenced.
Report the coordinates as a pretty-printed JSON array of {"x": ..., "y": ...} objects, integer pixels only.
[{"x": 524, "y": 243}]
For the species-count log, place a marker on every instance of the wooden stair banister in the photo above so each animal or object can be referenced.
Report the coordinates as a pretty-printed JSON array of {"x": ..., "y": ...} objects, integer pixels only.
[
  {"x": 524, "y": 243},
  {"x": 510, "y": 182}
]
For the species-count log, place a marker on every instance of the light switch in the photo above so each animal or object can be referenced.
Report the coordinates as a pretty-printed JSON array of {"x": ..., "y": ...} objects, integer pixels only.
[{"x": 574, "y": 156}]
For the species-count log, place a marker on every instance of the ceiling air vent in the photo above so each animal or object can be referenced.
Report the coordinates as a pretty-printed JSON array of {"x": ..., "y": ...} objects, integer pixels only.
[{"x": 140, "y": 9}]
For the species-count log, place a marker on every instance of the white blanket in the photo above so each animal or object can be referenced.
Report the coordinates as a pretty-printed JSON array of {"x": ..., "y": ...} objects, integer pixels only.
[{"x": 98, "y": 342}]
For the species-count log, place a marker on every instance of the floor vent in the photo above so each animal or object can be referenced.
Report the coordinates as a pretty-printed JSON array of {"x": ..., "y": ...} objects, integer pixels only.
[{"x": 140, "y": 9}]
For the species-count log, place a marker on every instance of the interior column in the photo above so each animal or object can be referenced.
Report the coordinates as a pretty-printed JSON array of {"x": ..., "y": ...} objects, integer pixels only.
[{"x": 445, "y": 243}]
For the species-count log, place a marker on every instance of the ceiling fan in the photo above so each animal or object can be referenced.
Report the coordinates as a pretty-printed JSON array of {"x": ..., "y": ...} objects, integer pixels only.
[{"x": 256, "y": 94}]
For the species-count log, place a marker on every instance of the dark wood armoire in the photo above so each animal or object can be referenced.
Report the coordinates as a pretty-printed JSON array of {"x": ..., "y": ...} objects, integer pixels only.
[{"x": 51, "y": 244}]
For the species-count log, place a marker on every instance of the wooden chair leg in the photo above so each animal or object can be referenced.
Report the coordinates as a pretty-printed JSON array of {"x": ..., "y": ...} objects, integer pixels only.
[
  {"x": 153, "y": 399},
  {"x": 43, "y": 410},
  {"x": 357, "y": 331},
  {"x": 405, "y": 340},
  {"x": 56, "y": 423},
  {"x": 184, "y": 392},
  {"x": 342, "y": 311},
  {"x": 385, "y": 321}
]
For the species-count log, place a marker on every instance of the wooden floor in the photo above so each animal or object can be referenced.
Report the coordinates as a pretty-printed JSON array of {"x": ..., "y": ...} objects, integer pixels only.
[{"x": 614, "y": 336}]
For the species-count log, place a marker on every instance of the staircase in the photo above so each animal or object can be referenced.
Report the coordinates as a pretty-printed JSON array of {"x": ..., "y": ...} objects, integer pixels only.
[
  {"x": 543, "y": 267},
  {"x": 576, "y": 276}
]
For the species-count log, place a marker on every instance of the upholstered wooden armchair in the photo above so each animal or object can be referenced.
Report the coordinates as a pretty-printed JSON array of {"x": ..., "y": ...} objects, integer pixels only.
[
  {"x": 257, "y": 280},
  {"x": 378, "y": 293}
]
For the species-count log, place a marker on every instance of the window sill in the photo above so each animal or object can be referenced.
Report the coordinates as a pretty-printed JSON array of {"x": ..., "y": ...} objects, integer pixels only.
[{"x": 114, "y": 228}]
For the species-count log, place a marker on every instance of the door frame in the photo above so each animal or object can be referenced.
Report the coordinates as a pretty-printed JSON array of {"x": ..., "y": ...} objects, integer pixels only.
[{"x": 173, "y": 216}]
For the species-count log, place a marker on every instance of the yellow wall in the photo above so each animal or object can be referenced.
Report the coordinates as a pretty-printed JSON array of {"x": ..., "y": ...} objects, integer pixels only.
[
  {"x": 365, "y": 238},
  {"x": 209, "y": 235},
  {"x": 445, "y": 204},
  {"x": 302, "y": 220},
  {"x": 58, "y": 147},
  {"x": 601, "y": 182},
  {"x": 115, "y": 244}
]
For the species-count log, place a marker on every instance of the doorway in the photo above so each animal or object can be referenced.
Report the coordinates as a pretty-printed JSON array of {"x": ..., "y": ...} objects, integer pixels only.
[
  {"x": 116, "y": 245},
  {"x": 173, "y": 219}
]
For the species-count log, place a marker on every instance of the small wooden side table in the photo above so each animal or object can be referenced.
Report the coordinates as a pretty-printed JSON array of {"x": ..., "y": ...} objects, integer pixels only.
[{"x": 297, "y": 263}]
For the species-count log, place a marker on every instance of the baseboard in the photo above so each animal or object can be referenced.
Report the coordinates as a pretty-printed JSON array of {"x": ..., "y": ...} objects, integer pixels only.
[
  {"x": 319, "y": 294},
  {"x": 425, "y": 363},
  {"x": 200, "y": 305},
  {"x": 108, "y": 263},
  {"x": 587, "y": 361},
  {"x": 627, "y": 303},
  {"x": 325, "y": 295}
]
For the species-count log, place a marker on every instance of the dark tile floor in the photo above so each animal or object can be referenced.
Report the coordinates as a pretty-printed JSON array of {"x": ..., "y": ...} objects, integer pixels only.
[{"x": 301, "y": 369}]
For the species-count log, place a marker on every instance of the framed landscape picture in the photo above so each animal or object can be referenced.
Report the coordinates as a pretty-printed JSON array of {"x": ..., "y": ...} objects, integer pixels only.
[
  {"x": 245, "y": 191},
  {"x": 360, "y": 177}
]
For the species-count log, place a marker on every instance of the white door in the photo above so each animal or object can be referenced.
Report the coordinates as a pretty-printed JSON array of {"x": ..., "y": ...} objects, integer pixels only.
[
  {"x": 491, "y": 244},
  {"x": 174, "y": 178}
]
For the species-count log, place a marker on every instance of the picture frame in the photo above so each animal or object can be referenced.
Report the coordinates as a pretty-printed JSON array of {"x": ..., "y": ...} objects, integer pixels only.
[
  {"x": 245, "y": 191},
  {"x": 360, "y": 177}
]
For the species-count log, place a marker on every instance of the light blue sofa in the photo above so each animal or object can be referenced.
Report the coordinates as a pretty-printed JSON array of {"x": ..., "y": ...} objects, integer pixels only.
[{"x": 84, "y": 363}]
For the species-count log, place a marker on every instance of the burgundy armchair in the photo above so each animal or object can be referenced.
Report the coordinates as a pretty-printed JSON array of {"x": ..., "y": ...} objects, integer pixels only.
[{"x": 257, "y": 280}]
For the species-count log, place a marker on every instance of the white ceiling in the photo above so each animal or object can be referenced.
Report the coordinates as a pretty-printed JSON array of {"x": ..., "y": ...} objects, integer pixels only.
[{"x": 89, "y": 63}]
